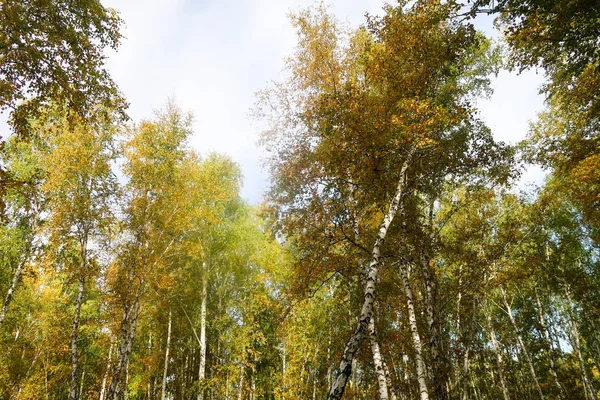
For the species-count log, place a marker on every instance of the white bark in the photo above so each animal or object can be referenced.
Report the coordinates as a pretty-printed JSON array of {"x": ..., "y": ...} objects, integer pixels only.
[
  {"x": 522, "y": 344},
  {"x": 496, "y": 349},
  {"x": 16, "y": 277},
  {"x": 241, "y": 388},
  {"x": 166, "y": 367},
  {"x": 439, "y": 378},
  {"x": 412, "y": 320},
  {"x": 74, "y": 388},
  {"x": 382, "y": 389},
  {"x": 561, "y": 391},
  {"x": 202, "y": 364},
  {"x": 388, "y": 379},
  {"x": 128, "y": 328},
  {"x": 575, "y": 342},
  {"x": 11, "y": 290},
  {"x": 105, "y": 378},
  {"x": 345, "y": 369}
]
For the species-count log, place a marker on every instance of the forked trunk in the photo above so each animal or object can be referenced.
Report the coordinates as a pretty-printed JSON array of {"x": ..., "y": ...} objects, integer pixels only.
[
  {"x": 345, "y": 369},
  {"x": 128, "y": 328}
]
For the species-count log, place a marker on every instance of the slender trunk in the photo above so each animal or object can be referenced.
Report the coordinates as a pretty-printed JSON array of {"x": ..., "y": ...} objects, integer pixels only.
[
  {"x": 345, "y": 369},
  {"x": 11, "y": 290},
  {"x": 437, "y": 361},
  {"x": 378, "y": 361},
  {"x": 575, "y": 342},
  {"x": 166, "y": 367},
  {"x": 457, "y": 377},
  {"x": 561, "y": 391},
  {"x": 252, "y": 383},
  {"x": 81, "y": 383},
  {"x": 522, "y": 344},
  {"x": 496, "y": 350},
  {"x": 467, "y": 349},
  {"x": 202, "y": 364},
  {"x": 149, "y": 388},
  {"x": 73, "y": 390},
  {"x": 105, "y": 378},
  {"x": 412, "y": 320},
  {"x": 314, "y": 393},
  {"x": 16, "y": 276},
  {"x": 241, "y": 388},
  {"x": 388, "y": 380},
  {"x": 128, "y": 328}
]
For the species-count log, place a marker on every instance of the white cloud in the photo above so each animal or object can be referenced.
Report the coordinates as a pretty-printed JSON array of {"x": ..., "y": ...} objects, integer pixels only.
[{"x": 212, "y": 56}]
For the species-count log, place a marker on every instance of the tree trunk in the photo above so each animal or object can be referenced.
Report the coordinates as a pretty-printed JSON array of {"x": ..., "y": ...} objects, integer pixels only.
[
  {"x": 499, "y": 362},
  {"x": 81, "y": 381},
  {"x": 522, "y": 344},
  {"x": 105, "y": 378},
  {"x": 378, "y": 361},
  {"x": 166, "y": 367},
  {"x": 74, "y": 388},
  {"x": 13, "y": 286},
  {"x": 412, "y": 320},
  {"x": 128, "y": 328},
  {"x": 467, "y": 349},
  {"x": 575, "y": 342},
  {"x": 561, "y": 391},
  {"x": 202, "y": 364},
  {"x": 241, "y": 388},
  {"x": 437, "y": 360},
  {"x": 388, "y": 379},
  {"x": 345, "y": 368}
]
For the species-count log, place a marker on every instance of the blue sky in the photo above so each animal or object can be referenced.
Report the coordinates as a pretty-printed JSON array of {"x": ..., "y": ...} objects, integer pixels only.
[{"x": 212, "y": 56}]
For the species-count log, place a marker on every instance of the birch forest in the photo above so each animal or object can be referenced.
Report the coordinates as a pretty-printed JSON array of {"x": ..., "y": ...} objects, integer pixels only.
[{"x": 394, "y": 255}]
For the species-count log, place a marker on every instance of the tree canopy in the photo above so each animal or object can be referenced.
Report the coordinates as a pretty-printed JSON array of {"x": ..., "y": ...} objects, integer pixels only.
[{"x": 393, "y": 257}]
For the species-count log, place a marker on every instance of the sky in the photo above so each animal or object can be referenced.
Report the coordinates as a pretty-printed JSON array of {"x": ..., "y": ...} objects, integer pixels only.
[{"x": 212, "y": 56}]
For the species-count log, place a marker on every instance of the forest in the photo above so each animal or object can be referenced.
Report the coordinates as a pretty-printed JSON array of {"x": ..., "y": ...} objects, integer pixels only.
[{"x": 394, "y": 256}]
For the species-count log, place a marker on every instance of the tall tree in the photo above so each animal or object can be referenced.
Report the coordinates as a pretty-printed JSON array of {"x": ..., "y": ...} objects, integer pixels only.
[
  {"x": 54, "y": 52},
  {"x": 360, "y": 128},
  {"x": 79, "y": 188},
  {"x": 154, "y": 154}
]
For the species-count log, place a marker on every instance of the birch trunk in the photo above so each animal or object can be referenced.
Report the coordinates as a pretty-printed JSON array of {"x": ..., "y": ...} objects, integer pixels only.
[
  {"x": 105, "y": 378},
  {"x": 378, "y": 361},
  {"x": 561, "y": 391},
  {"x": 522, "y": 344},
  {"x": 166, "y": 367},
  {"x": 74, "y": 388},
  {"x": 345, "y": 368},
  {"x": 575, "y": 342},
  {"x": 11, "y": 290},
  {"x": 439, "y": 375},
  {"x": 241, "y": 388},
  {"x": 416, "y": 338},
  {"x": 388, "y": 379},
  {"x": 202, "y": 364},
  {"x": 499, "y": 362},
  {"x": 467, "y": 351},
  {"x": 128, "y": 328},
  {"x": 16, "y": 277}
]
